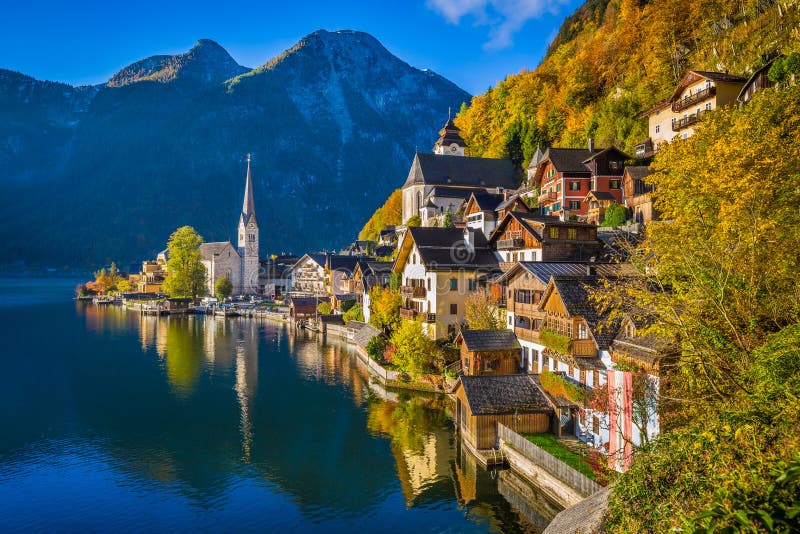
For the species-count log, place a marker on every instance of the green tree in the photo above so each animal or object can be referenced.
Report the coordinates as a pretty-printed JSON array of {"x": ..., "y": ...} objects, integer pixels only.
[
  {"x": 616, "y": 215},
  {"x": 415, "y": 351},
  {"x": 355, "y": 313},
  {"x": 223, "y": 288},
  {"x": 447, "y": 219},
  {"x": 325, "y": 308},
  {"x": 186, "y": 274}
]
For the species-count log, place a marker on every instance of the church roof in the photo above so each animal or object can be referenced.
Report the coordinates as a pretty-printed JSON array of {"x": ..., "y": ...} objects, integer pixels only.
[
  {"x": 248, "y": 205},
  {"x": 208, "y": 250},
  {"x": 463, "y": 171}
]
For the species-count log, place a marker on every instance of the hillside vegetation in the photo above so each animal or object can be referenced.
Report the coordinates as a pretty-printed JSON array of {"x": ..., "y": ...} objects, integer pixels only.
[
  {"x": 613, "y": 60},
  {"x": 390, "y": 214},
  {"x": 728, "y": 459}
]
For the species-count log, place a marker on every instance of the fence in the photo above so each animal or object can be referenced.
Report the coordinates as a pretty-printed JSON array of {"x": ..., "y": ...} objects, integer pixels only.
[{"x": 566, "y": 474}]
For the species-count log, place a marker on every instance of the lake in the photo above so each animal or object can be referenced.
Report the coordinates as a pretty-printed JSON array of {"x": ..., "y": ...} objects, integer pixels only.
[{"x": 113, "y": 421}]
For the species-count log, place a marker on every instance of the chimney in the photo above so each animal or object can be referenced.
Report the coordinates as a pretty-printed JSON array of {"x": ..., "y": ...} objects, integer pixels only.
[
  {"x": 505, "y": 194},
  {"x": 591, "y": 144},
  {"x": 469, "y": 238}
]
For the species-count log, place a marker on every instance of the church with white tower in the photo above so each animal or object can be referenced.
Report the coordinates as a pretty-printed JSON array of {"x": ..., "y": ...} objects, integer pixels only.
[{"x": 237, "y": 264}]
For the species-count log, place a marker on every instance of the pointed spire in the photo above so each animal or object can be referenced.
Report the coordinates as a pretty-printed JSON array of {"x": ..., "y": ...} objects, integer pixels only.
[{"x": 248, "y": 206}]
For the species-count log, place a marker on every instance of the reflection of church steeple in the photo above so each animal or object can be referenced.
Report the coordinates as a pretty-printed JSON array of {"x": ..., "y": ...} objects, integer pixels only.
[{"x": 246, "y": 381}]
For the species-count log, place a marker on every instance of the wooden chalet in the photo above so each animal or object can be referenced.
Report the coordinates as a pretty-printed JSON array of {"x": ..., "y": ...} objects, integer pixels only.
[
  {"x": 517, "y": 401},
  {"x": 529, "y": 237},
  {"x": 489, "y": 352},
  {"x": 757, "y": 82},
  {"x": 304, "y": 307},
  {"x": 174, "y": 305}
]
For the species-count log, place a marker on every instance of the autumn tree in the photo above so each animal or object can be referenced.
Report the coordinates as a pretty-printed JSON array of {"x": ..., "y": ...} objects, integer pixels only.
[
  {"x": 385, "y": 308},
  {"x": 325, "y": 308},
  {"x": 482, "y": 312},
  {"x": 615, "y": 215},
  {"x": 414, "y": 350},
  {"x": 186, "y": 274}
]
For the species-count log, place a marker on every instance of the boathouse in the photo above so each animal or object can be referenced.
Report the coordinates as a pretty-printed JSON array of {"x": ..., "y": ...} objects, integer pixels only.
[
  {"x": 489, "y": 352},
  {"x": 517, "y": 401}
]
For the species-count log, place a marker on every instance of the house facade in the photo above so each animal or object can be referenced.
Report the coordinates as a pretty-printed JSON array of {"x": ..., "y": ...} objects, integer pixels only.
[
  {"x": 637, "y": 194},
  {"x": 488, "y": 352},
  {"x": 439, "y": 268},
  {"x": 697, "y": 93}
]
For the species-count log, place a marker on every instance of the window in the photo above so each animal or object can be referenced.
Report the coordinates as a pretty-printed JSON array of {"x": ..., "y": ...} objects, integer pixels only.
[
  {"x": 574, "y": 186},
  {"x": 429, "y": 284},
  {"x": 708, "y": 106},
  {"x": 658, "y": 128},
  {"x": 582, "y": 333},
  {"x": 614, "y": 165},
  {"x": 574, "y": 204},
  {"x": 537, "y": 324},
  {"x": 613, "y": 184},
  {"x": 471, "y": 285},
  {"x": 558, "y": 187},
  {"x": 454, "y": 309},
  {"x": 509, "y": 321},
  {"x": 572, "y": 233},
  {"x": 454, "y": 284},
  {"x": 553, "y": 233}
]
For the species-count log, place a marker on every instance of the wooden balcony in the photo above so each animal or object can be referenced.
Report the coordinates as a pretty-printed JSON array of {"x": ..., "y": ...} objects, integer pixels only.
[
  {"x": 699, "y": 96},
  {"x": 527, "y": 335},
  {"x": 680, "y": 124},
  {"x": 408, "y": 314},
  {"x": 428, "y": 317},
  {"x": 583, "y": 348},
  {"x": 546, "y": 198},
  {"x": 413, "y": 292},
  {"x": 505, "y": 244}
]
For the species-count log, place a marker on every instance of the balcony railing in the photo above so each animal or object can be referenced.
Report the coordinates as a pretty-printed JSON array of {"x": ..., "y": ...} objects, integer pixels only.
[
  {"x": 699, "y": 96},
  {"x": 505, "y": 244},
  {"x": 680, "y": 124},
  {"x": 506, "y": 265},
  {"x": 429, "y": 318},
  {"x": 408, "y": 314},
  {"x": 583, "y": 348},
  {"x": 546, "y": 198},
  {"x": 527, "y": 335},
  {"x": 413, "y": 292}
]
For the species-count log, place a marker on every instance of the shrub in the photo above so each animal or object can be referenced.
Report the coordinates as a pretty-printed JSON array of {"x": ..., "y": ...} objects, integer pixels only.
[
  {"x": 355, "y": 313},
  {"x": 555, "y": 341},
  {"x": 324, "y": 308},
  {"x": 616, "y": 215},
  {"x": 376, "y": 347},
  {"x": 559, "y": 386},
  {"x": 415, "y": 352}
]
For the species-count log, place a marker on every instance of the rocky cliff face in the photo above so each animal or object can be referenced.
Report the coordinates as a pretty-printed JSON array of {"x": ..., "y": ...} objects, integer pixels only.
[{"x": 92, "y": 174}]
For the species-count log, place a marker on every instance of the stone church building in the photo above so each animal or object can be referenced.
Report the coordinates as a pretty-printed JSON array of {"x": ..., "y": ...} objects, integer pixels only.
[{"x": 238, "y": 264}]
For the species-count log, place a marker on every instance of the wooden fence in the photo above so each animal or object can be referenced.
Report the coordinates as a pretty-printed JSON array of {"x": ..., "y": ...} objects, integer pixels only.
[{"x": 564, "y": 473}]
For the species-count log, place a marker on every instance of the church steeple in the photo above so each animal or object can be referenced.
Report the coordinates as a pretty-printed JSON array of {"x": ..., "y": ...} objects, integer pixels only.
[
  {"x": 248, "y": 238},
  {"x": 248, "y": 206},
  {"x": 450, "y": 141}
]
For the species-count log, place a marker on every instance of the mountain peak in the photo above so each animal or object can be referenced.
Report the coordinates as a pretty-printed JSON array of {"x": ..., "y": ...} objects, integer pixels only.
[{"x": 206, "y": 61}]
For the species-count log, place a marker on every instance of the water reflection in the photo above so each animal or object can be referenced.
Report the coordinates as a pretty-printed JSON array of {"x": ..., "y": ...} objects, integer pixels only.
[{"x": 233, "y": 418}]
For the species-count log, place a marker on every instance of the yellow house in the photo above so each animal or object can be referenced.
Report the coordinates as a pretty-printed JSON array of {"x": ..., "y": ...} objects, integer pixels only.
[
  {"x": 697, "y": 93},
  {"x": 439, "y": 268}
]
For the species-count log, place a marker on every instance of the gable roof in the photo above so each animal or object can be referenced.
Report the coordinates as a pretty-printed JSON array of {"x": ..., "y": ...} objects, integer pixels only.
[
  {"x": 693, "y": 76},
  {"x": 638, "y": 172},
  {"x": 574, "y": 292},
  {"x": 598, "y": 153},
  {"x": 479, "y": 340},
  {"x": 569, "y": 160},
  {"x": 601, "y": 195},
  {"x": 465, "y": 171},
  {"x": 444, "y": 249},
  {"x": 535, "y": 224},
  {"x": 317, "y": 257},
  {"x": 487, "y": 201},
  {"x": 446, "y": 191},
  {"x": 208, "y": 250},
  {"x": 504, "y": 394}
]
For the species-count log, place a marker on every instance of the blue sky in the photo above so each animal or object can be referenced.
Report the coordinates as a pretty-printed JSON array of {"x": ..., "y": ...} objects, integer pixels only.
[{"x": 474, "y": 43}]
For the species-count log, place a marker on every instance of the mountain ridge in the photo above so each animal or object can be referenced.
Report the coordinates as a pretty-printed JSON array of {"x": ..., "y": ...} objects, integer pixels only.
[{"x": 331, "y": 126}]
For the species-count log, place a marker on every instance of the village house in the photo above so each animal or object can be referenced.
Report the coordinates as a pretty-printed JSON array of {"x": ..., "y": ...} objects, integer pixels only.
[
  {"x": 516, "y": 401},
  {"x": 484, "y": 210},
  {"x": 757, "y": 82},
  {"x": 697, "y": 93},
  {"x": 369, "y": 274},
  {"x": 598, "y": 202},
  {"x": 565, "y": 176},
  {"x": 151, "y": 278},
  {"x": 239, "y": 265},
  {"x": 307, "y": 275},
  {"x": 488, "y": 352},
  {"x": 439, "y": 268},
  {"x": 529, "y": 237},
  {"x": 445, "y": 179},
  {"x": 273, "y": 279},
  {"x": 637, "y": 194}
]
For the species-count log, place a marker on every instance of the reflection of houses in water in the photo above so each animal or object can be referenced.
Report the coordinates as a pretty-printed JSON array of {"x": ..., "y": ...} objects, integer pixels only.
[{"x": 246, "y": 379}]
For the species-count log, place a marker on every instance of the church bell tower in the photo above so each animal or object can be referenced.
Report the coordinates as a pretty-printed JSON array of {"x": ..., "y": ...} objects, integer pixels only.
[{"x": 248, "y": 238}]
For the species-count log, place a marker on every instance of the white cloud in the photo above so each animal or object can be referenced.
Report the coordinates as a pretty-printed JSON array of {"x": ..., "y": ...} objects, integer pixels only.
[{"x": 504, "y": 18}]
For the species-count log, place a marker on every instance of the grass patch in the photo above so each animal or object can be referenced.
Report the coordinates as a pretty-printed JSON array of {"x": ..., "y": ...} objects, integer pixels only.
[{"x": 549, "y": 443}]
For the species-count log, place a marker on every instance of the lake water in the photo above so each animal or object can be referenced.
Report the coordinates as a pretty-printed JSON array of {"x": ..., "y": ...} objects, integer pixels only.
[{"x": 111, "y": 421}]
